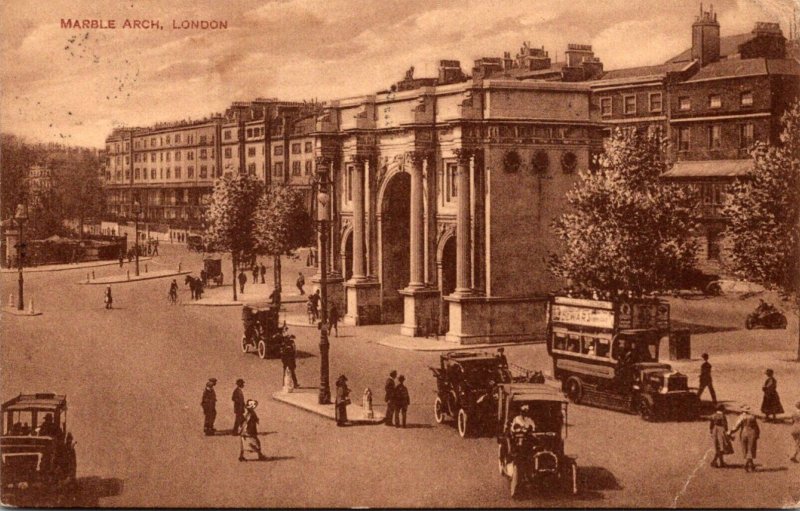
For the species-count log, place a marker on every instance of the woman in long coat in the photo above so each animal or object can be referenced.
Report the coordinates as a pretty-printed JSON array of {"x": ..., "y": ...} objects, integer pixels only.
[
  {"x": 249, "y": 432},
  {"x": 771, "y": 405},
  {"x": 718, "y": 427},
  {"x": 748, "y": 425},
  {"x": 342, "y": 400}
]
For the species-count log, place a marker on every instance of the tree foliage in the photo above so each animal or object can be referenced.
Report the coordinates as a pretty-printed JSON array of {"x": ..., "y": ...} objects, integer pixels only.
[
  {"x": 230, "y": 218},
  {"x": 282, "y": 222},
  {"x": 763, "y": 211},
  {"x": 627, "y": 230}
]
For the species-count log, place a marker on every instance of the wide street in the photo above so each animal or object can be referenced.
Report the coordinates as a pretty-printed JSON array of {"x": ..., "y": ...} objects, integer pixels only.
[{"x": 134, "y": 377}]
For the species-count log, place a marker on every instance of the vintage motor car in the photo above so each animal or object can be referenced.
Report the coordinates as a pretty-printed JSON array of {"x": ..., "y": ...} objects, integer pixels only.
[
  {"x": 466, "y": 388},
  {"x": 213, "y": 270},
  {"x": 534, "y": 455},
  {"x": 262, "y": 334},
  {"x": 36, "y": 449}
]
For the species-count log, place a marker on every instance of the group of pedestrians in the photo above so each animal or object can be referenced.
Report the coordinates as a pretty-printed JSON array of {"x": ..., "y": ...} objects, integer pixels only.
[
  {"x": 258, "y": 270},
  {"x": 245, "y": 421},
  {"x": 397, "y": 400}
]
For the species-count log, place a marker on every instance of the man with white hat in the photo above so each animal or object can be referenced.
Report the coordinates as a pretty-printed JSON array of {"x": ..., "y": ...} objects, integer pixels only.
[
  {"x": 209, "y": 404},
  {"x": 249, "y": 435},
  {"x": 523, "y": 422}
]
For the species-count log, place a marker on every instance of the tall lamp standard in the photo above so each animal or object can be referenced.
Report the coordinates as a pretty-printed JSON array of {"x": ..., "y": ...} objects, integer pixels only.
[
  {"x": 323, "y": 224},
  {"x": 137, "y": 210},
  {"x": 21, "y": 217}
]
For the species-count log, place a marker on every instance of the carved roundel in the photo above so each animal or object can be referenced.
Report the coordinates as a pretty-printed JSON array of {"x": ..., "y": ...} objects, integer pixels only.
[
  {"x": 540, "y": 162},
  {"x": 569, "y": 162},
  {"x": 511, "y": 161}
]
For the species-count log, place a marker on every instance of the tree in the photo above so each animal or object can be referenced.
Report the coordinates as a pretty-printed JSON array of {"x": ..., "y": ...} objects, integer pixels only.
[
  {"x": 627, "y": 230},
  {"x": 763, "y": 212},
  {"x": 77, "y": 179},
  {"x": 282, "y": 225},
  {"x": 230, "y": 219}
]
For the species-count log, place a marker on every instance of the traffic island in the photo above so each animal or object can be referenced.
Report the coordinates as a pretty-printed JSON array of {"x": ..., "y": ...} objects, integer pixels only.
[
  {"x": 306, "y": 399},
  {"x": 222, "y": 296},
  {"x": 128, "y": 278},
  {"x": 24, "y": 312}
]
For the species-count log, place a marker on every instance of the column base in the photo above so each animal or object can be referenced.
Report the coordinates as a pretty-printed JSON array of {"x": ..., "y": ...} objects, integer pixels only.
[
  {"x": 335, "y": 284},
  {"x": 482, "y": 320},
  {"x": 363, "y": 299},
  {"x": 420, "y": 311}
]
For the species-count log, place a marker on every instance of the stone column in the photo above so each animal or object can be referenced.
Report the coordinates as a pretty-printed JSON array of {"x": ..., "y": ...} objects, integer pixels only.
[
  {"x": 359, "y": 272},
  {"x": 417, "y": 229},
  {"x": 463, "y": 227}
]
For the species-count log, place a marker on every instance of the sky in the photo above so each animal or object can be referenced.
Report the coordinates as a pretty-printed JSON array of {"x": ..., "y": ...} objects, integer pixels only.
[{"x": 73, "y": 85}]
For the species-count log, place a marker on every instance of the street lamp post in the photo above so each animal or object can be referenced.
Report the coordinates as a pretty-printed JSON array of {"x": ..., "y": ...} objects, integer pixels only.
[
  {"x": 20, "y": 217},
  {"x": 137, "y": 210},
  {"x": 323, "y": 220}
]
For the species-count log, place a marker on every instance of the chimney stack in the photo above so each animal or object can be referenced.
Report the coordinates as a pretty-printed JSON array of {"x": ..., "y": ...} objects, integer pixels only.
[{"x": 705, "y": 37}]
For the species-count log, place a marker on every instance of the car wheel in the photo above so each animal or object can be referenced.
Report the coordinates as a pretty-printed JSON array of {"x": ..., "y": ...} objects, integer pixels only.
[
  {"x": 514, "y": 485},
  {"x": 646, "y": 411},
  {"x": 573, "y": 470},
  {"x": 438, "y": 410},
  {"x": 245, "y": 344},
  {"x": 713, "y": 289},
  {"x": 501, "y": 458},
  {"x": 464, "y": 425},
  {"x": 573, "y": 388},
  {"x": 262, "y": 349},
  {"x": 749, "y": 323}
]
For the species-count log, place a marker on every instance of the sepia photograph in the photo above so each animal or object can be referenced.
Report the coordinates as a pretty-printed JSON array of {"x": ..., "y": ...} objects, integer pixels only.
[{"x": 400, "y": 254}]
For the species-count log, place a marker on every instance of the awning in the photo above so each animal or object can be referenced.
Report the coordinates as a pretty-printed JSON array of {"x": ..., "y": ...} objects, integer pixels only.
[{"x": 708, "y": 169}]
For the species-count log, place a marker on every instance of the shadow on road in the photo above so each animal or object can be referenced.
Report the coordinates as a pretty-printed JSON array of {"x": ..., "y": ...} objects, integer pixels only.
[
  {"x": 304, "y": 354},
  {"x": 697, "y": 328},
  {"x": 84, "y": 492},
  {"x": 592, "y": 481}
]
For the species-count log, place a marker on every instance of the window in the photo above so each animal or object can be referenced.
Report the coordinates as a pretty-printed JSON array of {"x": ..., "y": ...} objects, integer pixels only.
[
  {"x": 127, "y": 159},
  {"x": 136, "y": 174},
  {"x": 144, "y": 143},
  {"x": 203, "y": 154},
  {"x": 227, "y": 135},
  {"x": 295, "y": 168},
  {"x": 746, "y": 135},
  {"x": 178, "y": 138},
  {"x": 168, "y": 172},
  {"x": 190, "y": 172},
  {"x": 251, "y": 151},
  {"x": 683, "y": 139},
  {"x": 747, "y": 98},
  {"x": 309, "y": 147},
  {"x": 177, "y": 156},
  {"x": 160, "y": 156},
  {"x": 152, "y": 157},
  {"x": 684, "y": 103},
  {"x": 605, "y": 107},
  {"x": 152, "y": 173},
  {"x": 251, "y": 169},
  {"x": 278, "y": 150},
  {"x": 249, "y": 132},
  {"x": 190, "y": 139},
  {"x": 278, "y": 172},
  {"x": 451, "y": 188},
  {"x": 309, "y": 167},
  {"x": 168, "y": 139},
  {"x": 177, "y": 172},
  {"x": 714, "y": 136},
  {"x": 190, "y": 155},
  {"x": 655, "y": 101},
  {"x": 153, "y": 142},
  {"x": 127, "y": 175},
  {"x": 203, "y": 171},
  {"x": 295, "y": 148},
  {"x": 203, "y": 139},
  {"x": 714, "y": 101},
  {"x": 168, "y": 156},
  {"x": 228, "y": 152},
  {"x": 629, "y": 104},
  {"x": 127, "y": 146}
]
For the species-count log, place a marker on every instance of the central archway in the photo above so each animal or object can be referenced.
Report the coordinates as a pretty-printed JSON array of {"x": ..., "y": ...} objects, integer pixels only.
[{"x": 394, "y": 236}]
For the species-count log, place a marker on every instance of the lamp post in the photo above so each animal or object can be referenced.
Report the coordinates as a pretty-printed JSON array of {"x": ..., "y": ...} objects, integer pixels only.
[
  {"x": 323, "y": 221},
  {"x": 137, "y": 210},
  {"x": 21, "y": 217}
]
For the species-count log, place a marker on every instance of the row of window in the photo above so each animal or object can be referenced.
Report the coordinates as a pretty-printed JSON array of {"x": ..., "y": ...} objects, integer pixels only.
[
  {"x": 715, "y": 101},
  {"x": 204, "y": 154},
  {"x": 297, "y": 168},
  {"x": 655, "y": 103},
  {"x": 162, "y": 141},
  {"x": 714, "y": 136},
  {"x": 161, "y": 173}
]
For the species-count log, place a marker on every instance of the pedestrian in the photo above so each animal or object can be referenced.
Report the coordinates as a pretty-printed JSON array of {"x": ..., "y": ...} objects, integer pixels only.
[
  {"x": 342, "y": 400},
  {"x": 209, "y": 404},
  {"x": 718, "y": 427},
  {"x": 249, "y": 433},
  {"x": 289, "y": 357},
  {"x": 204, "y": 276},
  {"x": 263, "y": 273},
  {"x": 238, "y": 407},
  {"x": 402, "y": 400},
  {"x": 747, "y": 425},
  {"x": 502, "y": 356},
  {"x": 155, "y": 247},
  {"x": 121, "y": 256},
  {"x": 389, "y": 398},
  {"x": 242, "y": 281},
  {"x": 771, "y": 404},
  {"x": 796, "y": 432},
  {"x": 333, "y": 319},
  {"x": 255, "y": 273},
  {"x": 301, "y": 281},
  {"x": 108, "y": 299},
  {"x": 705, "y": 380},
  {"x": 275, "y": 298},
  {"x": 315, "y": 299},
  {"x": 310, "y": 312}
]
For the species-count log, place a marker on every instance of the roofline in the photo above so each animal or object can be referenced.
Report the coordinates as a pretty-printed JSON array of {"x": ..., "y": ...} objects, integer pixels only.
[
  {"x": 722, "y": 117},
  {"x": 727, "y": 77}
]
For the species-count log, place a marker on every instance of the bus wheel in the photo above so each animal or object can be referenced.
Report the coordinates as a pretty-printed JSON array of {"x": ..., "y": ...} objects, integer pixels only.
[
  {"x": 573, "y": 388},
  {"x": 646, "y": 411}
]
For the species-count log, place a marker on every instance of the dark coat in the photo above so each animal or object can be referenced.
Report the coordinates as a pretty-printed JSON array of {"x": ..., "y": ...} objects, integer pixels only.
[
  {"x": 242, "y": 278},
  {"x": 288, "y": 355},
  {"x": 342, "y": 393},
  {"x": 705, "y": 373},
  {"x": 389, "y": 390},
  {"x": 333, "y": 315},
  {"x": 250, "y": 426},
  {"x": 772, "y": 402},
  {"x": 401, "y": 397},
  {"x": 718, "y": 427},
  {"x": 209, "y": 402},
  {"x": 238, "y": 400}
]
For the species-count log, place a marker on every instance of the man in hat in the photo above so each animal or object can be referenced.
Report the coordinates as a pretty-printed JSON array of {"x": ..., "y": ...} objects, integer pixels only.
[
  {"x": 209, "y": 404},
  {"x": 502, "y": 356},
  {"x": 747, "y": 425},
  {"x": 288, "y": 355},
  {"x": 238, "y": 406},
  {"x": 249, "y": 434},
  {"x": 705, "y": 379},
  {"x": 242, "y": 281},
  {"x": 389, "y": 398},
  {"x": 523, "y": 422}
]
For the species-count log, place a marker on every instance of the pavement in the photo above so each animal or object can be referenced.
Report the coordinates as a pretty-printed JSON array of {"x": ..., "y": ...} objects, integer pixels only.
[
  {"x": 64, "y": 267},
  {"x": 16, "y": 312},
  {"x": 127, "y": 279},
  {"x": 307, "y": 399},
  {"x": 222, "y": 296}
]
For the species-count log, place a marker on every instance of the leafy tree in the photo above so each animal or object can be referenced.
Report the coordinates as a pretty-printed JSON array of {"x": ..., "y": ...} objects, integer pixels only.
[
  {"x": 763, "y": 212},
  {"x": 230, "y": 219},
  {"x": 282, "y": 225},
  {"x": 76, "y": 176},
  {"x": 16, "y": 159},
  {"x": 627, "y": 230}
]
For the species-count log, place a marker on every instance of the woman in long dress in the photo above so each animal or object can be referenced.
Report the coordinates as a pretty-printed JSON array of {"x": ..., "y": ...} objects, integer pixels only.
[
  {"x": 718, "y": 428},
  {"x": 249, "y": 432},
  {"x": 342, "y": 400},
  {"x": 771, "y": 405},
  {"x": 747, "y": 424}
]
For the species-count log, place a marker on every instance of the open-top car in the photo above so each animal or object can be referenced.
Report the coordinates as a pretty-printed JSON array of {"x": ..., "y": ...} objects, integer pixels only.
[
  {"x": 35, "y": 446},
  {"x": 531, "y": 427},
  {"x": 262, "y": 334}
]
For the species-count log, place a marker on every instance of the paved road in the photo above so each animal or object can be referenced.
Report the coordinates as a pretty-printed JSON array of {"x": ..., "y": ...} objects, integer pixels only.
[{"x": 134, "y": 377}]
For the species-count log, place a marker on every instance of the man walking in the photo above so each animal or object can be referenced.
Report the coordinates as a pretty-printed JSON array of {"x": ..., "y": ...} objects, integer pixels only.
[
  {"x": 705, "y": 380},
  {"x": 107, "y": 298},
  {"x": 255, "y": 273},
  {"x": 288, "y": 358},
  {"x": 402, "y": 400},
  {"x": 301, "y": 281},
  {"x": 242, "y": 281},
  {"x": 238, "y": 406},
  {"x": 209, "y": 404},
  {"x": 314, "y": 299},
  {"x": 333, "y": 319},
  {"x": 155, "y": 247},
  {"x": 389, "y": 398},
  {"x": 263, "y": 273}
]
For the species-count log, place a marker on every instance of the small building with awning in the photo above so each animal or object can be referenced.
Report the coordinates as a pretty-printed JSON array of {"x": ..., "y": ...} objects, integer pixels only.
[{"x": 708, "y": 170}]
